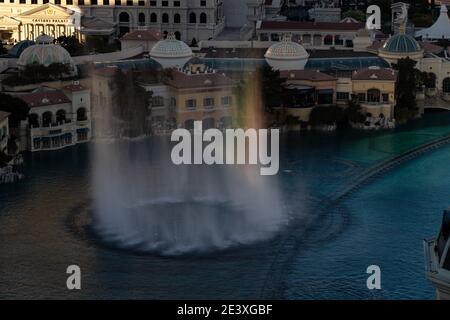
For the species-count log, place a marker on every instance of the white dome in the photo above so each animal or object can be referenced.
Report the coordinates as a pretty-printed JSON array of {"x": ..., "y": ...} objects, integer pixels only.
[
  {"x": 44, "y": 52},
  {"x": 287, "y": 55},
  {"x": 171, "y": 52}
]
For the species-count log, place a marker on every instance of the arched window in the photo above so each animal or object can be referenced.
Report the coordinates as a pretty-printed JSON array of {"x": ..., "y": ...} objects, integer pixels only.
[
  {"x": 203, "y": 17},
  {"x": 165, "y": 18},
  {"x": 165, "y": 33},
  {"x": 81, "y": 114},
  {"x": 33, "y": 120},
  {"x": 192, "y": 18},
  {"x": 373, "y": 95},
  {"x": 124, "y": 23},
  {"x": 141, "y": 19},
  {"x": 153, "y": 18},
  {"x": 176, "y": 18},
  {"x": 328, "y": 40},
  {"x": 177, "y": 35},
  {"x": 446, "y": 85},
  {"x": 124, "y": 17},
  {"x": 430, "y": 81},
  {"x": 60, "y": 116},
  {"x": 47, "y": 119}
]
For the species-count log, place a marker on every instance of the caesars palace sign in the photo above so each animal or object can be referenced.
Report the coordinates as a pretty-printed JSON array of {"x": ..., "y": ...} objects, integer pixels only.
[{"x": 50, "y": 12}]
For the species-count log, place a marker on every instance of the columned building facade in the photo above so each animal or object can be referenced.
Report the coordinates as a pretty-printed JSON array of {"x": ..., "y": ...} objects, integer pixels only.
[{"x": 187, "y": 19}]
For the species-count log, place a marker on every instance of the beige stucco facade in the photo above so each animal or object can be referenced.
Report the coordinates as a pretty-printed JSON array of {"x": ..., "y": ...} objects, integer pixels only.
[
  {"x": 214, "y": 106},
  {"x": 386, "y": 96}
]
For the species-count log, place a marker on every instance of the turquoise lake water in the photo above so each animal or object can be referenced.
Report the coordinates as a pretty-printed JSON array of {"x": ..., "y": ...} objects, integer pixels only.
[{"x": 322, "y": 254}]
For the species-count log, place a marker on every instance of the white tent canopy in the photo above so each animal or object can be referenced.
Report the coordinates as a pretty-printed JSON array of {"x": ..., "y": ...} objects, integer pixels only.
[{"x": 439, "y": 30}]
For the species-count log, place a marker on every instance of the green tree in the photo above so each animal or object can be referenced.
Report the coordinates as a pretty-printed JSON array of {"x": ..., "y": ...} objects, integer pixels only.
[
  {"x": 131, "y": 104},
  {"x": 17, "y": 107},
  {"x": 355, "y": 14},
  {"x": 272, "y": 88},
  {"x": 3, "y": 49},
  {"x": 353, "y": 111},
  {"x": 406, "y": 107},
  {"x": 71, "y": 44},
  {"x": 326, "y": 115}
]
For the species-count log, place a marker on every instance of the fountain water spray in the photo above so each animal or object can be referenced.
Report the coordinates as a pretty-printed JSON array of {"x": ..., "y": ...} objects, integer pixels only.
[{"x": 145, "y": 202}]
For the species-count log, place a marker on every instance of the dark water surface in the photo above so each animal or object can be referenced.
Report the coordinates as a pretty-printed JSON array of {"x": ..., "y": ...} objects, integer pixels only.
[{"x": 323, "y": 254}]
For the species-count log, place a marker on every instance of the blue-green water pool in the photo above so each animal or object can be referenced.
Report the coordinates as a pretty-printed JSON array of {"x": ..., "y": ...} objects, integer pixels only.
[{"x": 324, "y": 255}]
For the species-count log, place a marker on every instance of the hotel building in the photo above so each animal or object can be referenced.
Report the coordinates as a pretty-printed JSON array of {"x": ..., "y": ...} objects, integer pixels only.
[
  {"x": 187, "y": 19},
  {"x": 58, "y": 118}
]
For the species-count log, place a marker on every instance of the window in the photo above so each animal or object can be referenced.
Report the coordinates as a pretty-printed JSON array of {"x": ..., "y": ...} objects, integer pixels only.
[
  {"x": 69, "y": 2},
  {"x": 141, "y": 3},
  {"x": 153, "y": 3},
  {"x": 94, "y": 2},
  {"x": 165, "y": 18},
  {"x": 373, "y": 95},
  {"x": 81, "y": 2},
  {"x": 176, "y": 18},
  {"x": 81, "y": 114},
  {"x": 342, "y": 96},
  {"x": 203, "y": 17},
  {"x": 12, "y": 1},
  {"x": 208, "y": 102},
  {"x": 24, "y": 1},
  {"x": 35, "y": 2},
  {"x": 106, "y": 2},
  {"x": 158, "y": 101},
  {"x": 141, "y": 19},
  {"x": 192, "y": 18},
  {"x": 176, "y": 4},
  {"x": 385, "y": 97},
  {"x": 324, "y": 97},
  {"x": 165, "y": 3},
  {"x": 203, "y": 3},
  {"x": 226, "y": 101},
  {"x": 362, "y": 97},
  {"x": 118, "y": 2},
  {"x": 446, "y": 85},
  {"x": 129, "y": 2},
  {"x": 191, "y": 103},
  {"x": 153, "y": 17}
]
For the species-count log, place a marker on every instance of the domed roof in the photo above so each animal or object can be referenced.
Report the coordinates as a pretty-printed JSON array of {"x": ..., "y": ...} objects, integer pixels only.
[
  {"x": 401, "y": 43},
  {"x": 286, "y": 49},
  {"x": 18, "y": 48},
  {"x": 45, "y": 53},
  {"x": 171, "y": 48}
]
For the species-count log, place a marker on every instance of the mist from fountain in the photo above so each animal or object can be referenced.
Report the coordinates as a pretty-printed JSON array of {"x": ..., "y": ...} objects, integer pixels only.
[{"x": 144, "y": 202}]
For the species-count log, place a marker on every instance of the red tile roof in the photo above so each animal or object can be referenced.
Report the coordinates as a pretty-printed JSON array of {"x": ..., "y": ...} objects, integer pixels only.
[
  {"x": 74, "y": 87},
  {"x": 375, "y": 74},
  {"x": 147, "y": 35},
  {"x": 106, "y": 71},
  {"x": 44, "y": 98},
  {"x": 430, "y": 47},
  {"x": 4, "y": 115},
  {"x": 312, "y": 75},
  {"x": 307, "y": 25},
  {"x": 182, "y": 80}
]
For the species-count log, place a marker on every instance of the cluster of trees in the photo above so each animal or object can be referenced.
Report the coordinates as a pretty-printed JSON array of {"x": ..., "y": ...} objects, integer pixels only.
[
  {"x": 17, "y": 108},
  {"x": 35, "y": 73},
  {"x": 98, "y": 44},
  {"x": 408, "y": 81},
  {"x": 131, "y": 104},
  {"x": 2, "y": 48}
]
